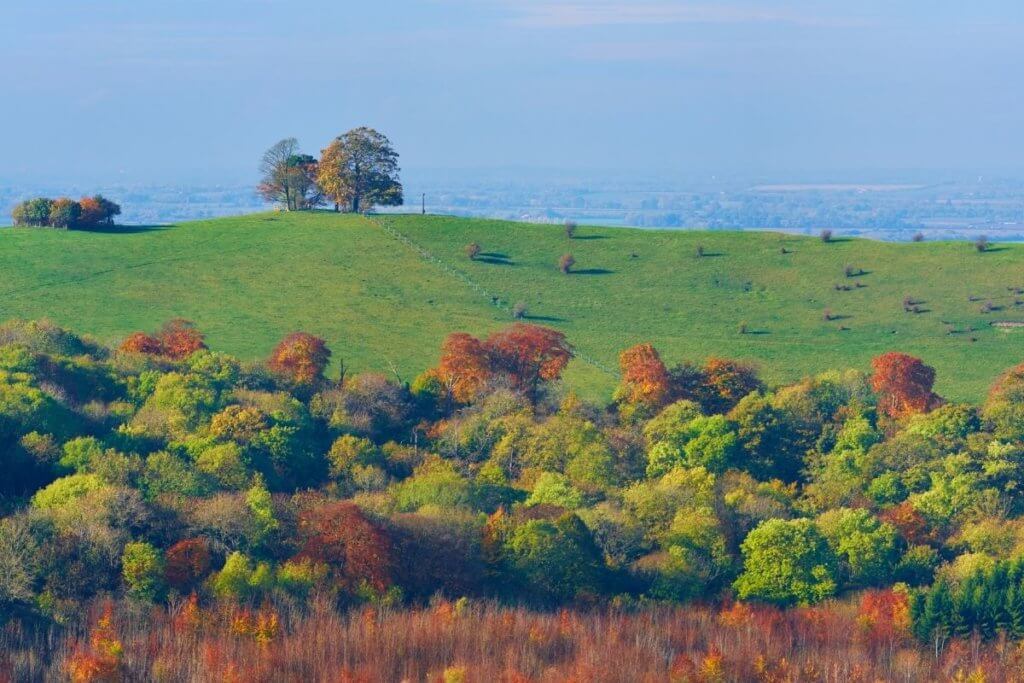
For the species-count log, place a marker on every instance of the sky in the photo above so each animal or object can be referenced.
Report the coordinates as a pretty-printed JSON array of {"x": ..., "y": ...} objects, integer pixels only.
[{"x": 194, "y": 90}]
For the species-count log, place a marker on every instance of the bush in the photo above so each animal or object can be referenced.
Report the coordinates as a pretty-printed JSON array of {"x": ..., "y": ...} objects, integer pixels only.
[
  {"x": 570, "y": 229},
  {"x": 566, "y": 263},
  {"x": 826, "y": 236},
  {"x": 918, "y": 237},
  {"x": 473, "y": 250},
  {"x": 981, "y": 244},
  {"x": 519, "y": 311}
]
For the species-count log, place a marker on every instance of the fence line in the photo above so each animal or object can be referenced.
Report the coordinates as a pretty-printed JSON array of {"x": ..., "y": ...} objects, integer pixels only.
[{"x": 499, "y": 302}]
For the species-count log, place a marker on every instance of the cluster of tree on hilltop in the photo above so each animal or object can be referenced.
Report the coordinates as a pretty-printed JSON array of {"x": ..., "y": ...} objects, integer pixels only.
[
  {"x": 88, "y": 212},
  {"x": 355, "y": 172},
  {"x": 165, "y": 469}
]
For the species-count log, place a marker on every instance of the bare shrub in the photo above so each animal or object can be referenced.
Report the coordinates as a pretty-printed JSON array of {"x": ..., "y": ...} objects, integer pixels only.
[
  {"x": 473, "y": 250},
  {"x": 566, "y": 263},
  {"x": 981, "y": 244},
  {"x": 918, "y": 237},
  {"x": 570, "y": 229},
  {"x": 826, "y": 236},
  {"x": 519, "y": 311}
]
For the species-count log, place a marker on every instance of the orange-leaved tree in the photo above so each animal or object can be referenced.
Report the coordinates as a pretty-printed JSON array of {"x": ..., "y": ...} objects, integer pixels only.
[
  {"x": 179, "y": 338},
  {"x": 528, "y": 355},
  {"x": 464, "y": 367},
  {"x": 904, "y": 385},
  {"x": 525, "y": 356},
  {"x": 300, "y": 357},
  {"x": 140, "y": 342},
  {"x": 645, "y": 379}
]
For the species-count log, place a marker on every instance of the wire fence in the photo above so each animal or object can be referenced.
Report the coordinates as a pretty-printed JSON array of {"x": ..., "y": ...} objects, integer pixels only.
[{"x": 386, "y": 224}]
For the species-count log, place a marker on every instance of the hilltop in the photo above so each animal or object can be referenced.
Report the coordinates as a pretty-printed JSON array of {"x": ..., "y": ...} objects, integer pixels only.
[{"x": 385, "y": 290}]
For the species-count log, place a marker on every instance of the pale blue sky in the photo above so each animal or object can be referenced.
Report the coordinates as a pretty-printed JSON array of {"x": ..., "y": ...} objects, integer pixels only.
[{"x": 173, "y": 90}]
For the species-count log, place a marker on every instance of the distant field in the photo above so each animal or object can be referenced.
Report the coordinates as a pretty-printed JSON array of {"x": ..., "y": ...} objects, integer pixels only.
[{"x": 381, "y": 305}]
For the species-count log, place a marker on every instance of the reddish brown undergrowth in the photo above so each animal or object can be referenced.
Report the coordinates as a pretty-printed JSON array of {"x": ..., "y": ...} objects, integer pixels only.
[{"x": 449, "y": 642}]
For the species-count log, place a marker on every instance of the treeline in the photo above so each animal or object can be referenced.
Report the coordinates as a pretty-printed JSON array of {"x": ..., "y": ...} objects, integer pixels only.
[
  {"x": 162, "y": 470},
  {"x": 88, "y": 212}
]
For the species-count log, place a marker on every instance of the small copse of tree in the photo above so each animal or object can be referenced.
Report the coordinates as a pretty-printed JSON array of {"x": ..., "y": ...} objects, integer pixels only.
[{"x": 65, "y": 213}]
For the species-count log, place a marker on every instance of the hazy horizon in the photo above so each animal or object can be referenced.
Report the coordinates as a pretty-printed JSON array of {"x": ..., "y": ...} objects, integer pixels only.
[{"x": 195, "y": 91}]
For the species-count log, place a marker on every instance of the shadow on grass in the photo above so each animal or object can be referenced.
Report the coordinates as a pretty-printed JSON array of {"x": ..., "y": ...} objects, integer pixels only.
[
  {"x": 711, "y": 254},
  {"x": 834, "y": 318},
  {"x": 592, "y": 271},
  {"x": 993, "y": 248},
  {"x": 756, "y": 333},
  {"x": 493, "y": 254},
  {"x": 123, "y": 229},
  {"x": 591, "y": 237},
  {"x": 545, "y": 318},
  {"x": 493, "y": 261}
]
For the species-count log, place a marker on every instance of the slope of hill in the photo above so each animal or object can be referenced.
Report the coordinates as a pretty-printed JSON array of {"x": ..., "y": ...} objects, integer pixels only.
[{"x": 384, "y": 291}]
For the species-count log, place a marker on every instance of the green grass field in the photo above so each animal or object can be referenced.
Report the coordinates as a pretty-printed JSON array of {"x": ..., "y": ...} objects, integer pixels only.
[{"x": 381, "y": 305}]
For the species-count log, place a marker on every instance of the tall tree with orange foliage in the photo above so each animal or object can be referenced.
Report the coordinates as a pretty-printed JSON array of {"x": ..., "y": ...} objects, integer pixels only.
[
  {"x": 464, "y": 367},
  {"x": 904, "y": 385},
  {"x": 300, "y": 357},
  {"x": 645, "y": 379}
]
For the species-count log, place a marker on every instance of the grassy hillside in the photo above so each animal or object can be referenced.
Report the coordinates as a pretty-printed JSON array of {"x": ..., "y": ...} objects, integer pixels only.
[{"x": 381, "y": 304}]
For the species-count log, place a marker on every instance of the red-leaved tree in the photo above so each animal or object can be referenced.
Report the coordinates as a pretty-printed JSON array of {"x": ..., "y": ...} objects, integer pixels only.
[
  {"x": 300, "y": 357},
  {"x": 904, "y": 385},
  {"x": 186, "y": 563},
  {"x": 342, "y": 537}
]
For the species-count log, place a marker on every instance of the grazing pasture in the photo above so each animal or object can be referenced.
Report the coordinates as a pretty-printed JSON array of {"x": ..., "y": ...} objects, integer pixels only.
[{"x": 385, "y": 290}]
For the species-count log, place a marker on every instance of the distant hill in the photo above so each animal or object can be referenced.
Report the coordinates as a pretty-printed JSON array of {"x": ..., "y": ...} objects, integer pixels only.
[{"x": 385, "y": 290}]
